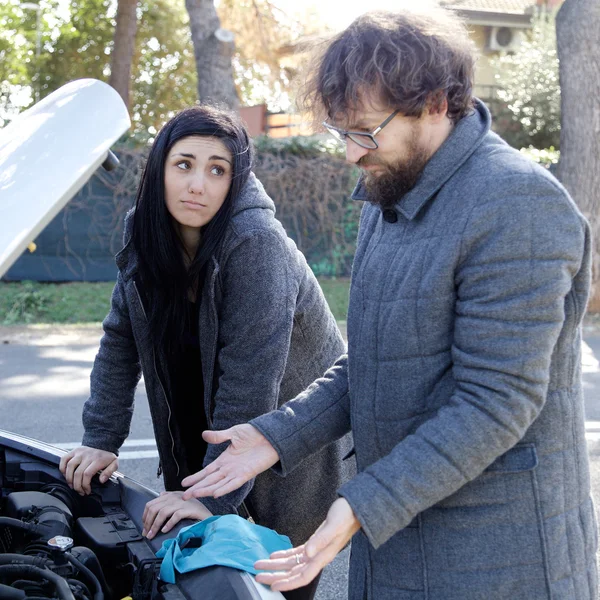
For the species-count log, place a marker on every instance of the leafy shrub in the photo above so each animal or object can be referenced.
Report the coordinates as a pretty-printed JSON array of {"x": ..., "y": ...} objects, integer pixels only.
[
  {"x": 27, "y": 305},
  {"x": 527, "y": 111},
  {"x": 311, "y": 186},
  {"x": 547, "y": 157},
  {"x": 303, "y": 146}
]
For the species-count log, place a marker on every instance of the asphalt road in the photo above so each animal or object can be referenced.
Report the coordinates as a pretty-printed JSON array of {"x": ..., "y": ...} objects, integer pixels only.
[{"x": 44, "y": 381}]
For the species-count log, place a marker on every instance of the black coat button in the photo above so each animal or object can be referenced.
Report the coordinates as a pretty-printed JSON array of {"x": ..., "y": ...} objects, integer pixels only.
[{"x": 389, "y": 215}]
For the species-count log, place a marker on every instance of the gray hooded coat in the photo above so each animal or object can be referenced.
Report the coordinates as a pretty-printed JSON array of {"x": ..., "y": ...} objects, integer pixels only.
[
  {"x": 462, "y": 386},
  {"x": 265, "y": 331}
]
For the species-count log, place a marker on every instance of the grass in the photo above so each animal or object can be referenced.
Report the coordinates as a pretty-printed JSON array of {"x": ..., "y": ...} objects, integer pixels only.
[
  {"x": 336, "y": 291},
  {"x": 31, "y": 302}
]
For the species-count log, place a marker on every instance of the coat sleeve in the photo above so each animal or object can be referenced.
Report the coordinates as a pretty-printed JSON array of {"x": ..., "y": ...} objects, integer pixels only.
[
  {"x": 524, "y": 253},
  {"x": 115, "y": 375},
  {"x": 316, "y": 417}
]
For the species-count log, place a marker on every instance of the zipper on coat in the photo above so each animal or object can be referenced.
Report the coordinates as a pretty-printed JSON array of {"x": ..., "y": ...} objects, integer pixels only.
[
  {"x": 159, "y": 471},
  {"x": 208, "y": 385}
]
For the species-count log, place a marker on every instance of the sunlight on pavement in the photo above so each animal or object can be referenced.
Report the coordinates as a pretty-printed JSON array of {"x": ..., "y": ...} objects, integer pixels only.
[
  {"x": 589, "y": 363},
  {"x": 55, "y": 382}
]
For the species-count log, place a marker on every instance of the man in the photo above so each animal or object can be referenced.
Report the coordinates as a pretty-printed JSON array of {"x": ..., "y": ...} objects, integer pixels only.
[{"x": 462, "y": 381}]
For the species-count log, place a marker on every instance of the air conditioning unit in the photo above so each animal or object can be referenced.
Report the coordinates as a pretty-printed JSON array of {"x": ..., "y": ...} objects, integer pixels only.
[{"x": 505, "y": 39}]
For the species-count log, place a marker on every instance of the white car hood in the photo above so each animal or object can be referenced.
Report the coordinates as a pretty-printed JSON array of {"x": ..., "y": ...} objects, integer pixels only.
[{"x": 48, "y": 153}]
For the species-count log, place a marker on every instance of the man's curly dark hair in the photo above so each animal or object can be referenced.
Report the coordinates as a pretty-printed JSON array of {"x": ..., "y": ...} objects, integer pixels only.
[{"x": 408, "y": 60}]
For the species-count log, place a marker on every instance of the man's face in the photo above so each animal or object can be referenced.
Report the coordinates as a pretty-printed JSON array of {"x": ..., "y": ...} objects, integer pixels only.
[{"x": 405, "y": 146}]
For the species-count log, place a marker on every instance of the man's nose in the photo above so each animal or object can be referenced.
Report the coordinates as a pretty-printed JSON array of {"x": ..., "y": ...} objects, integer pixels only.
[{"x": 354, "y": 152}]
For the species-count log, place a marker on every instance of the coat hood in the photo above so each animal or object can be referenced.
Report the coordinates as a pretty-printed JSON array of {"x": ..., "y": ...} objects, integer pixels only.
[{"x": 253, "y": 195}]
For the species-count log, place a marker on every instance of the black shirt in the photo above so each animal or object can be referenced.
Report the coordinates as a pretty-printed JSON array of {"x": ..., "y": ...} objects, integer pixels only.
[{"x": 187, "y": 386}]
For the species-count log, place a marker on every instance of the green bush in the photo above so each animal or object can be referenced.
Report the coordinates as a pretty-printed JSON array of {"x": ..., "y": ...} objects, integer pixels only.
[
  {"x": 302, "y": 146},
  {"x": 527, "y": 110},
  {"x": 311, "y": 186},
  {"x": 27, "y": 304},
  {"x": 547, "y": 157}
]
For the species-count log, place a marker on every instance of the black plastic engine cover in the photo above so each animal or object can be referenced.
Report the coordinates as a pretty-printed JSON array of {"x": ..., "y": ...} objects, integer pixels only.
[
  {"x": 20, "y": 505},
  {"x": 107, "y": 536}
]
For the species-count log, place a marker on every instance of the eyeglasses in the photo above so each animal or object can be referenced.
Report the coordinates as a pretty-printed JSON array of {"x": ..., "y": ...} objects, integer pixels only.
[{"x": 365, "y": 140}]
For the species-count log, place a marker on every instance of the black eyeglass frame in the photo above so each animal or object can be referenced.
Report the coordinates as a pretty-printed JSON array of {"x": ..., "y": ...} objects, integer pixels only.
[{"x": 342, "y": 135}]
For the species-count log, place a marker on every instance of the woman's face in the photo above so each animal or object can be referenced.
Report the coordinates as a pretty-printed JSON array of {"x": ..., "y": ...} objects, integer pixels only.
[{"x": 198, "y": 174}]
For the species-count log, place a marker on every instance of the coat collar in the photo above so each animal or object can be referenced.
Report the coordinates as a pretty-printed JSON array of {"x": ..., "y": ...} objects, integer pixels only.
[{"x": 466, "y": 136}]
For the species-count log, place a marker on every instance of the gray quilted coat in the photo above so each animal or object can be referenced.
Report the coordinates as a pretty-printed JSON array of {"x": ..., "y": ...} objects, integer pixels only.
[
  {"x": 266, "y": 333},
  {"x": 462, "y": 386}
]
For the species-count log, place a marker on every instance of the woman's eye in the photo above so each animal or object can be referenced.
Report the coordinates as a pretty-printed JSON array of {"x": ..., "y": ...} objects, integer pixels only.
[
  {"x": 216, "y": 170},
  {"x": 183, "y": 164}
]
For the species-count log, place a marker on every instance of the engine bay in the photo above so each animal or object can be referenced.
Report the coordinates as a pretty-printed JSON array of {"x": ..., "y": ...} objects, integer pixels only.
[{"x": 57, "y": 544}]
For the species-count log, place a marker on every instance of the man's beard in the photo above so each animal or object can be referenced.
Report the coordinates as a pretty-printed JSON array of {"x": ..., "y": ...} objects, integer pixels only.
[{"x": 395, "y": 180}]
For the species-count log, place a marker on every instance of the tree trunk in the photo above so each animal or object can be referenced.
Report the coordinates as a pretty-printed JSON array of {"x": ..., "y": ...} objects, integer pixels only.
[
  {"x": 122, "y": 55},
  {"x": 213, "y": 51},
  {"x": 578, "y": 45}
]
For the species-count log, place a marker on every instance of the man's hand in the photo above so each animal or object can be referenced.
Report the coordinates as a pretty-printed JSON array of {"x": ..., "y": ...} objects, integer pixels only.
[
  {"x": 81, "y": 464},
  {"x": 248, "y": 455},
  {"x": 299, "y": 566},
  {"x": 171, "y": 506}
]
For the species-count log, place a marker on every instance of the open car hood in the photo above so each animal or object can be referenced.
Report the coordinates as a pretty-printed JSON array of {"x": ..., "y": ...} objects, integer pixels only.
[{"x": 48, "y": 153}]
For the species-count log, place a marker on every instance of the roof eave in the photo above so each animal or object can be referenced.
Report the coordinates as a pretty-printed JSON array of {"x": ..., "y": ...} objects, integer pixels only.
[{"x": 495, "y": 19}]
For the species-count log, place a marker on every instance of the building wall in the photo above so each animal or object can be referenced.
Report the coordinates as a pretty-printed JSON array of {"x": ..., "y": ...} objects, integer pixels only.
[{"x": 484, "y": 72}]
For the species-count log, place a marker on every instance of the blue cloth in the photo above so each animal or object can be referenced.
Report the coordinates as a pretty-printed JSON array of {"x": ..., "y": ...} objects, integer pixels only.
[{"x": 227, "y": 540}]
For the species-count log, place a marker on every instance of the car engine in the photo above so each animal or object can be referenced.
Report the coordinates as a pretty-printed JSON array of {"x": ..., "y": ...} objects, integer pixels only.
[{"x": 57, "y": 544}]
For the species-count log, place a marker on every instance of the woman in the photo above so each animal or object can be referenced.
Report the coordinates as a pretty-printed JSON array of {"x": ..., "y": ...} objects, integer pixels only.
[{"x": 218, "y": 309}]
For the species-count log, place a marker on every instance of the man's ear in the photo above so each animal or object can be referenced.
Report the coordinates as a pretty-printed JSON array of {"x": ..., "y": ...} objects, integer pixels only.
[{"x": 437, "y": 106}]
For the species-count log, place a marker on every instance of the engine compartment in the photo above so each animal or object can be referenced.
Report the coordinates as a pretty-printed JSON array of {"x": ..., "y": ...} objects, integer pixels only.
[{"x": 57, "y": 544}]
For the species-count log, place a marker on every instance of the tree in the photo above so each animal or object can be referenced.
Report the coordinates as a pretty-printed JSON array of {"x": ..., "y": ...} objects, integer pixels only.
[
  {"x": 123, "y": 48},
  {"x": 577, "y": 26},
  {"x": 267, "y": 55},
  {"x": 78, "y": 40},
  {"x": 213, "y": 51},
  {"x": 528, "y": 111},
  {"x": 73, "y": 44}
]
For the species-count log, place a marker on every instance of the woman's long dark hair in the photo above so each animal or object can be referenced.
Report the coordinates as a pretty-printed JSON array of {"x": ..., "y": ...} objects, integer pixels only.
[{"x": 166, "y": 280}]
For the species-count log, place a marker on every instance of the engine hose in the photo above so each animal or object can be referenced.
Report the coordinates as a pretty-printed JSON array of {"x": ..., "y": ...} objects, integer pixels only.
[
  {"x": 60, "y": 585},
  {"x": 20, "y": 559},
  {"x": 98, "y": 593},
  {"x": 9, "y": 593},
  {"x": 83, "y": 590},
  {"x": 17, "y": 524}
]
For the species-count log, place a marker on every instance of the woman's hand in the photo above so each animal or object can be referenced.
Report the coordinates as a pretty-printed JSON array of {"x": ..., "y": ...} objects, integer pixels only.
[
  {"x": 171, "y": 507},
  {"x": 248, "y": 455},
  {"x": 299, "y": 566},
  {"x": 81, "y": 464}
]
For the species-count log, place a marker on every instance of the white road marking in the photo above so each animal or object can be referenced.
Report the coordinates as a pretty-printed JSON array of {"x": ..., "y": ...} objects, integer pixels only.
[
  {"x": 123, "y": 455},
  {"x": 126, "y": 444},
  {"x": 132, "y": 455}
]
